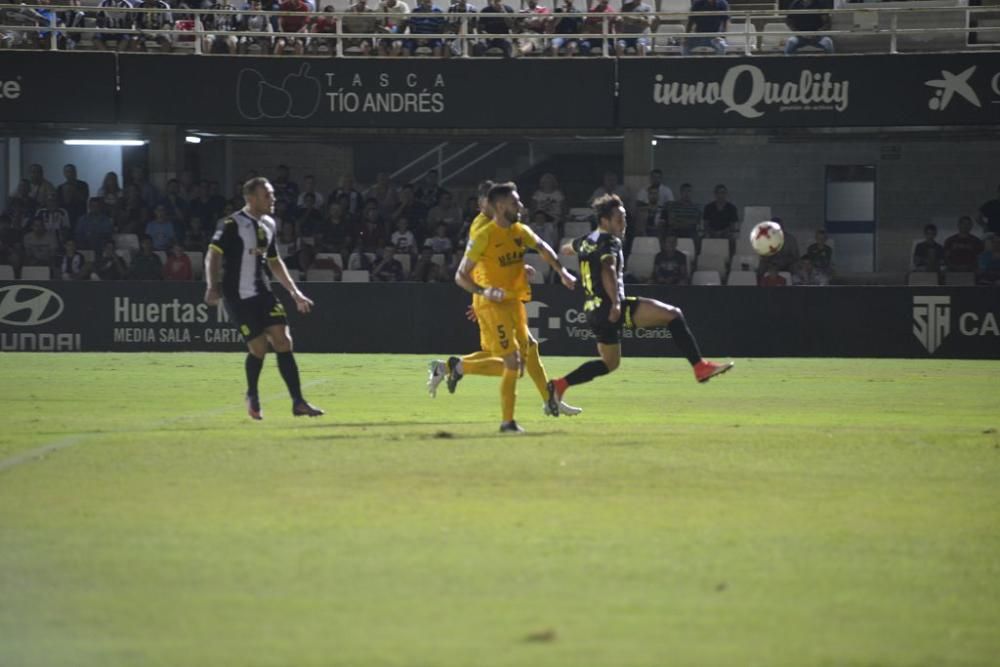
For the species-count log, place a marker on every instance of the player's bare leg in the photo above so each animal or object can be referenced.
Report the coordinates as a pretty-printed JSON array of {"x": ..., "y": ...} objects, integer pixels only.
[
  {"x": 653, "y": 313},
  {"x": 257, "y": 350},
  {"x": 281, "y": 341}
]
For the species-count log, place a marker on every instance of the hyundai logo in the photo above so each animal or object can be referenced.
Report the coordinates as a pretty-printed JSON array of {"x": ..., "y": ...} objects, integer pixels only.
[{"x": 28, "y": 305}]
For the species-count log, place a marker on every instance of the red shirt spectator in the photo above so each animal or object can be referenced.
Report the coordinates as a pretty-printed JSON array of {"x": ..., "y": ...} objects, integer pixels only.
[
  {"x": 293, "y": 23},
  {"x": 178, "y": 265},
  {"x": 772, "y": 279}
]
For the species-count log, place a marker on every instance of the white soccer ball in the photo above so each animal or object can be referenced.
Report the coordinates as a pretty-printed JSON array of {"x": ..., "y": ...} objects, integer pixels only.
[{"x": 767, "y": 238}]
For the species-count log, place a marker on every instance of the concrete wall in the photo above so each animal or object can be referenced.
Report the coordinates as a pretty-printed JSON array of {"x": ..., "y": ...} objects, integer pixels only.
[{"x": 327, "y": 162}]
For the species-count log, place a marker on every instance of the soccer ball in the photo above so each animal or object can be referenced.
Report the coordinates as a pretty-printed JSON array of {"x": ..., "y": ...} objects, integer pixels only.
[{"x": 767, "y": 238}]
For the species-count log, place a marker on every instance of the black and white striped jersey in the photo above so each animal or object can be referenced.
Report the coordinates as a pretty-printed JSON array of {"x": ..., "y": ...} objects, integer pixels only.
[
  {"x": 153, "y": 20},
  {"x": 115, "y": 14},
  {"x": 245, "y": 244}
]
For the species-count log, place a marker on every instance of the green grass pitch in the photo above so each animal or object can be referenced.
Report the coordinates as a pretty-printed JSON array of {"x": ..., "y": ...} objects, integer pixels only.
[{"x": 793, "y": 512}]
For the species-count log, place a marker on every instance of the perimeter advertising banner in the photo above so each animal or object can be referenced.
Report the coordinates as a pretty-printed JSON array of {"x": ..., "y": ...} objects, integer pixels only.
[
  {"x": 430, "y": 319},
  {"x": 354, "y": 92},
  {"x": 829, "y": 91},
  {"x": 72, "y": 87}
]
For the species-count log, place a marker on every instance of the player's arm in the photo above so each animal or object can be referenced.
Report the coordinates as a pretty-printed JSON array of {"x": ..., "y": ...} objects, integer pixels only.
[
  {"x": 221, "y": 239},
  {"x": 567, "y": 249},
  {"x": 463, "y": 278},
  {"x": 609, "y": 279},
  {"x": 550, "y": 257},
  {"x": 280, "y": 271}
]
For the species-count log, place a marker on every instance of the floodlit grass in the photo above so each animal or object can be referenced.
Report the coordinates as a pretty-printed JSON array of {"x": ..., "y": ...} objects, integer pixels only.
[{"x": 794, "y": 512}]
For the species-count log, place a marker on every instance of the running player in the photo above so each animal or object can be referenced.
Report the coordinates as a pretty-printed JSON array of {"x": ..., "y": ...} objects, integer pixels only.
[
  {"x": 499, "y": 248},
  {"x": 237, "y": 252},
  {"x": 609, "y": 311}
]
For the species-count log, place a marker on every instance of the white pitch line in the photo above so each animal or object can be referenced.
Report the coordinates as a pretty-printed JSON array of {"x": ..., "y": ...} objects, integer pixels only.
[{"x": 74, "y": 439}]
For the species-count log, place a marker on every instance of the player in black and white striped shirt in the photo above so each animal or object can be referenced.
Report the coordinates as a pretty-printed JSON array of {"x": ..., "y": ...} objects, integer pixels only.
[{"x": 236, "y": 269}]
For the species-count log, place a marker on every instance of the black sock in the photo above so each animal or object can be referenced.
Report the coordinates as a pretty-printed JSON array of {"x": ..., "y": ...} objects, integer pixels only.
[
  {"x": 685, "y": 341},
  {"x": 253, "y": 365},
  {"x": 587, "y": 372},
  {"x": 290, "y": 374}
]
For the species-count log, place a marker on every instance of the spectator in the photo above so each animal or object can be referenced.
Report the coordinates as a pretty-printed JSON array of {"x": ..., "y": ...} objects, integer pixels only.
[
  {"x": 146, "y": 265},
  {"x": 962, "y": 250},
  {"x": 323, "y": 25},
  {"x": 73, "y": 194},
  {"x": 702, "y": 23},
  {"x": 496, "y": 25},
  {"x": 423, "y": 22},
  {"x": 653, "y": 199},
  {"x": 110, "y": 191},
  {"x": 177, "y": 206},
  {"x": 255, "y": 21},
  {"x": 388, "y": 269},
  {"x": 114, "y": 15},
  {"x": 806, "y": 273},
  {"x": 786, "y": 258},
  {"x": 810, "y": 23},
  {"x": 130, "y": 214},
  {"x": 610, "y": 186},
  {"x": 56, "y": 218},
  {"x": 402, "y": 238},
  {"x": 109, "y": 265},
  {"x": 94, "y": 228},
  {"x": 927, "y": 254},
  {"x": 72, "y": 264},
  {"x": 445, "y": 212},
  {"x": 361, "y": 24},
  {"x": 161, "y": 229},
  {"x": 335, "y": 231},
  {"x": 21, "y": 207},
  {"x": 147, "y": 191},
  {"x": 201, "y": 205},
  {"x": 394, "y": 25},
  {"x": 988, "y": 272},
  {"x": 595, "y": 25},
  {"x": 409, "y": 208},
  {"x": 370, "y": 236},
  {"x": 309, "y": 188},
  {"x": 637, "y": 20},
  {"x": 722, "y": 220},
  {"x": 989, "y": 215},
  {"x": 461, "y": 25},
  {"x": 439, "y": 244},
  {"x": 683, "y": 215},
  {"x": 425, "y": 270},
  {"x": 772, "y": 278},
  {"x": 196, "y": 240},
  {"x": 281, "y": 215},
  {"x": 649, "y": 217},
  {"x": 295, "y": 24},
  {"x": 216, "y": 202},
  {"x": 566, "y": 25},
  {"x": 310, "y": 219},
  {"x": 39, "y": 189},
  {"x": 544, "y": 226},
  {"x": 355, "y": 201},
  {"x": 302, "y": 260},
  {"x": 820, "y": 256},
  {"x": 72, "y": 18},
  {"x": 670, "y": 264},
  {"x": 178, "y": 264},
  {"x": 536, "y": 18},
  {"x": 222, "y": 28},
  {"x": 548, "y": 198},
  {"x": 285, "y": 189},
  {"x": 384, "y": 193},
  {"x": 10, "y": 242},
  {"x": 150, "y": 25},
  {"x": 40, "y": 245}
]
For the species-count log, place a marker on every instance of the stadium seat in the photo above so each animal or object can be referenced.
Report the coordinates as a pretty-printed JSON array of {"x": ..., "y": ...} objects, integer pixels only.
[
  {"x": 745, "y": 262},
  {"x": 197, "y": 263},
  {"x": 771, "y": 42},
  {"x": 572, "y": 263},
  {"x": 640, "y": 265},
  {"x": 706, "y": 278},
  {"x": 754, "y": 214},
  {"x": 6, "y": 272},
  {"x": 686, "y": 246},
  {"x": 714, "y": 248},
  {"x": 787, "y": 276},
  {"x": 320, "y": 276},
  {"x": 742, "y": 278},
  {"x": 647, "y": 245},
  {"x": 576, "y": 229},
  {"x": 438, "y": 258},
  {"x": 354, "y": 261},
  {"x": 36, "y": 273},
  {"x": 162, "y": 254},
  {"x": 922, "y": 279},
  {"x": 334, "y": 257},
  {"x": 125, "y": 254},
  {"x": 542, "y": 269},
  {"x": 580, "y": 214},
  {"x": 356, "y": 277},
  {"x": 711, "y": 263},
  {"x": 404, "y": 259},
  {"x": 737, "y": 38},
  {"x": 960, "y": 279},
  {"x": 126, "y": 242},
  {"x": 668, "y": 38}
]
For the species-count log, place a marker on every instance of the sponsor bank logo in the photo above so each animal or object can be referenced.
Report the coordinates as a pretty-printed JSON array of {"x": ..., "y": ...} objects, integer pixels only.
[
  {"x": 29, "y": 305},
  {"x": 933, "y": 319},
  {"x": 545, "y": 323},
  {"x": 950, "y": 86}
]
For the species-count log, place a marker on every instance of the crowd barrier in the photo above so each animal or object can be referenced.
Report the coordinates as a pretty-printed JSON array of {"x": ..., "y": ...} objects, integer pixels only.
[{"x": 959, "y": 323}]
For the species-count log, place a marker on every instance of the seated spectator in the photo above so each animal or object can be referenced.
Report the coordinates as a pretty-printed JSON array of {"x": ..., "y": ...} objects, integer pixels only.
[
  {"x": 300, "y": 261},
  {"x": 388, "y": 269},
  {"x": 355, "y": 201},
  {"x": 178, "y": 264},
  {"x": 439, "y": 243},
  {"x": 334, "y": 233},
  {"x": 548, "y": 199},
  {"x": 821, "y": 255},
  {"x": 255, "y": 21},
  {"x": 394, "y": 25},
  {"x": 409, "y": 208},
  {"x": 636, "y": 21},
  {"x": 670, "y": 264},
  {"x": 324, "y": 25},
  {"x": 222, "y": 28},
  {"x": 700, "y": 23},
  {"x": 771, "y": 278},
  {"x": 657, "y": 191},
  {"x": 360, "y": 22},
  {"x": 426, "y": 19},
  {"x": 962, "y": 250},
  {"x": 10, "y": 242},
  {"x": 461, "y": 25},
  {"x": 533, "y": 25},
  {"x": 109, "y": 265},
  {"x": 201, "y": 205},
  {"x": 566, "y": 25},
  {"x": 425, "y": 270},
  {"x": 402, "y": 238},
  {"x": 39, "y": 190},
  {"x": 683, "y": 215},
  {"x": 806, "y": 273},
  {"x": 146, "y": 265},
  {"x": 115, "y": 15},
  {"x": 40, "y": 245},
  {"x": 56, "y": 218},
  {"x": 445, "y": 212},
  {"x": 544, "y": 226},
  {"x": 928, "y": 254},
  {"x": 285, "y": 189},
  {"x": 310, "y": 219},
  {"x": 722, "y": 220},
  {"x": 989, "y": 215},
  {"x": 176, "y": 205},
  {"x": 309, "y": 188},
  {"x": 94, "y": 228},
  {"x": 73, "y": 193},
  {"x": 384, "y": 193},
  {"x": 71, "y": 264},
  {"x": 808, "y": 23},
  {"x": 594, "y": 25},
  {"x": 610, "y": 186},
  {"x": 370, "y": 235},
  {"x": 495, "y": 19},
  {"x": 151, "y": 25},
  {"x": 988, "y": 272},
  {"x": 293, "y": 24},
  {"x": 161, "y": 229},
  {"x": 72, "y": 18},
  {"x": 110, "y": 191}
]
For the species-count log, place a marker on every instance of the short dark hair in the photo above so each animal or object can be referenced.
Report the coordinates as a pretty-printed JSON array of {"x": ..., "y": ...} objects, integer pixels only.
[
  {"x": 483, "y": 189},
  {"x": 500, "y": 190},
  {"x": 685, "y": 185},
  {"x": 604, "y": 207},
  {"x": 930, "y": 228},
  {"x": 251, "y": 185}
]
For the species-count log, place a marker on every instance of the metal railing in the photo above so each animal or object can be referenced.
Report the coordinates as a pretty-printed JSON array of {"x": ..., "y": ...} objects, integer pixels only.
[{"x": 45, "y": 27}]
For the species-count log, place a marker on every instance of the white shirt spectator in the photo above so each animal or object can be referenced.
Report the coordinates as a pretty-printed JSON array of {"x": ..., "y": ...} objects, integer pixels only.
[
  {"x": 666, "y": 195},
  {"x": 439, "y": 244},
  {"x": 404, "y": 241}
]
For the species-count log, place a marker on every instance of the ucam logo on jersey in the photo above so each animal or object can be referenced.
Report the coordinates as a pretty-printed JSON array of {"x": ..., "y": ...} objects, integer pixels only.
[
  {"x": 932, "y": 322},
  {"x": 33, "y": 306}
]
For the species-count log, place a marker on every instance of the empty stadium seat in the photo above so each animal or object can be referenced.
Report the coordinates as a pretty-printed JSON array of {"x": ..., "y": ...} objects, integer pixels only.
[
  {"x": 6, "y": 272},
  {"x": 355, "y": 277},
  {"x": 36, "y": 273},
  {"x": 745, "y": 262},
  {"x": 649, "y": 245},
  {"x": 404, "y": 259},
  {"x": 740, "y": 36},
  {"x": 197, "y": 263},
  {"x": 711, "y": 263},
  {"x": 321, "y": 276},
  {"x": 580, "y": 214},
  {"x": 576, "y": 229},
  {"x": 922, "y": 278},
  {"x": 640, "y": 265},
  {"x": 960, "y": 279},
  {"x": 706, "y": 278},
  {"x": 668, "y": 38},
  {"x": 770, "y": 41},
  {"x": 334, "y": 257},
  {"x": 742, "y": 278},
  {"x": 162, "y": 254},
  {"x": 126, "y": 242}
]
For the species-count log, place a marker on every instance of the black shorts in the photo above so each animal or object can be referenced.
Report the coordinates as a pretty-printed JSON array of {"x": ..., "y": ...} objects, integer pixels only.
[
  {"x": 252, "y": 316},
  {"x": 610, "y": 333}
]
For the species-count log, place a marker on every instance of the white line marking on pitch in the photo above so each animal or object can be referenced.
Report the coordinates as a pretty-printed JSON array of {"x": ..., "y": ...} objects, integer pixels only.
[{"x": 74, "y": 439}]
